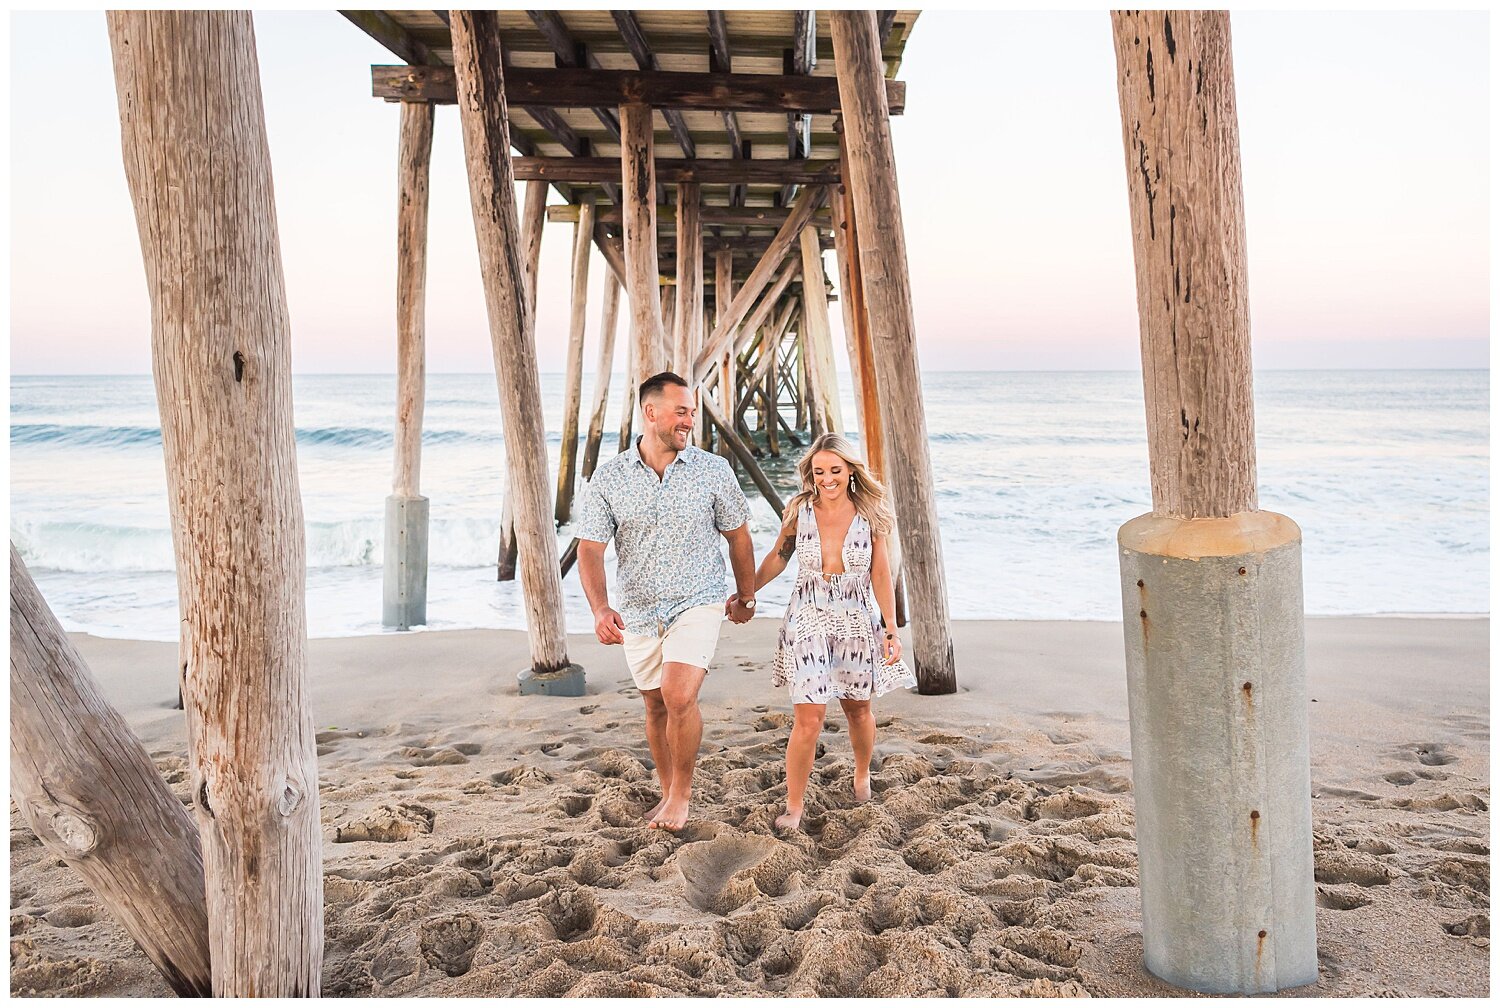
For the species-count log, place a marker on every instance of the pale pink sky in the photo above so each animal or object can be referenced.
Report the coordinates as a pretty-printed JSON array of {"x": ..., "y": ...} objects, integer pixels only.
[{"x": 1365, "y": 140}]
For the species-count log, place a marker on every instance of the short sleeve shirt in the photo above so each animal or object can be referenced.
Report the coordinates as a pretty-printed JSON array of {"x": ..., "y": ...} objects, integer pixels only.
[{"x": 666, "y": 531}]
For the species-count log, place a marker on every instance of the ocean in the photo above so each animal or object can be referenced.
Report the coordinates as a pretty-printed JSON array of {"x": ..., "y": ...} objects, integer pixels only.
[{"x": 1387, "y": 472}]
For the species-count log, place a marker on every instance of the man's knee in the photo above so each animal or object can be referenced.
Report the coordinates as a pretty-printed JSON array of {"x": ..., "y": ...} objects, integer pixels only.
[
  {"x": 655, "y": 705},
  {"x": 679, "y": 687}
]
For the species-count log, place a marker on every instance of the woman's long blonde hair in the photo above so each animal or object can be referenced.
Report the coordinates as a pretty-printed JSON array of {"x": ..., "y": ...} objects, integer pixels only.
[{"x": 868, "y": 494}]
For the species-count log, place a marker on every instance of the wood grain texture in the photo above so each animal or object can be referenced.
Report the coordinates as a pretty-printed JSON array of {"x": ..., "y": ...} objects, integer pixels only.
[
  {"x": 871, "y": 164},
  {"x": 842, "y": 226},
  {"x": 638, "y": 189},
  {"x": 688, "y": 317},
  {"x": 482, "y": 114},
  {"x": 199, "y": 171},
  {"x": 605, "y": 364},
  {"x": 730, "y": 319},
  {"x": 414, "y": 159},
  {"x": 1182, "y": 161},
  {"x": 819, "y": 335},
  {"x": 567, "y": 457},
  {"x": 533, "y": 217},
  {"x": 89, "y": 791}
]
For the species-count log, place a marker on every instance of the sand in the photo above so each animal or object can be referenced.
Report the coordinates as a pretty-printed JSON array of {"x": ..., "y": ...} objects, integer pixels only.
[{"x": 478, "y": 843}]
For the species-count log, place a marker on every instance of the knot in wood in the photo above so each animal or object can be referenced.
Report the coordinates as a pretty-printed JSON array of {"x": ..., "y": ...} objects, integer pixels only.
[
  {"x": 289, "y": 798},
  {"x": 75, "y": 832}
]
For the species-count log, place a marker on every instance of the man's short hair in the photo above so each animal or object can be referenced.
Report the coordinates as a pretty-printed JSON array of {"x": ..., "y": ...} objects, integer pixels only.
[{"x": 656, "y": 383}]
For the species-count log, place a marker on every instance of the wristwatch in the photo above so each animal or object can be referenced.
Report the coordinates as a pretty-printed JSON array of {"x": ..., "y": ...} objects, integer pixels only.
[{"x": 748, "y": 604}]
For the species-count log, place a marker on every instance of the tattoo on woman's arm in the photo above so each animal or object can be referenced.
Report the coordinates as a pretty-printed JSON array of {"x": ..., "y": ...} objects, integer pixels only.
[{"x": 788, "y": 546}]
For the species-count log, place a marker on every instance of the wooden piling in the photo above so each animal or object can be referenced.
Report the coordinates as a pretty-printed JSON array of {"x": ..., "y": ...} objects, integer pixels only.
[
  {"x": 89, "y": 791},
  {"x": 482, "y": 113},
  {"x": 411, "y": 285},
  {"x": 688, "y": 317},
  {"x": 189, "y": 83},
  {"x": 1195, "y": 330},
  {"x": 817, "y": 334},
  {"x": 870, "y": 162},
  {"x": 532, "y": 219},
  {"x": 607, "y": 326},
  {"x": 638, "y": 178},
  {"x": 567, "y": 456}
]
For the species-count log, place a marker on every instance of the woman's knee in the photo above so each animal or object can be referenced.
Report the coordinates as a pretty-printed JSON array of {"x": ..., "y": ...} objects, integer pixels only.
[
  {"x": 857, "y": 711},
  {"x": 808, "y": 721}
]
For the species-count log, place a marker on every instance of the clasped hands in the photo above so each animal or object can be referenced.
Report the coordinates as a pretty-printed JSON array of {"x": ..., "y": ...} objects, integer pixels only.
[{"x": 737, "y": 612}]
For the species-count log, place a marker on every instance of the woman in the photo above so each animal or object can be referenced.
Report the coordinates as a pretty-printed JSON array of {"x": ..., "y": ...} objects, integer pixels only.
[{"x": 838, "y": 639}]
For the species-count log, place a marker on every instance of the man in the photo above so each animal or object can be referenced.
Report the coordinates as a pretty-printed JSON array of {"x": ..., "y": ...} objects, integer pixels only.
[{"x": 666, "y": 503}]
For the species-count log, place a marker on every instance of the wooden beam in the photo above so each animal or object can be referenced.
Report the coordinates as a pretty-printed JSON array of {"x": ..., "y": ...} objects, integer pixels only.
[
  {"x": 384, "y": 29},
  {"x": 870, "y": 159},
  {"x": 790, "y": 229},
  {"x": 605, "y": 364},
  {"x": 576, "y": 87},
  {"x": 1187, "y": 220},
  {"x": 804, "y": 56},
  {"x": 638, "y": 184},
  {"x": 640, "y": 49},
  {"x": 188, "y": 83},
  {"x": 688, "y": 318},
  {"x": 89, "y": 791},
  {"x": 481, "y": 83},
  {"x": 716, "y": 171},
  {"x": 414, "y": 162},
  {"x": 572, "y": 54},
  {"x": 744, "y": 456},
  {"x": 764, "y": 217},
  {"x": 818, "y": 338},
  {"x": 567, "y": 455}
]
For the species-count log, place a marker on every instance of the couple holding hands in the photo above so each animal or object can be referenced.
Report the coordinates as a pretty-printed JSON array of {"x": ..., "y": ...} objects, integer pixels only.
[{"x": 666, "y": 504}]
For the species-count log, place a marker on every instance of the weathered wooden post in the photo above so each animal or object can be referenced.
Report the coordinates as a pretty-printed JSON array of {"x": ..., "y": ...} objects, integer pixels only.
[
  {"x": 188, "y": 83},
  {"x": 638, "y": 190},
  {"x": 404, "y": 601},
  {"x": 870, "y": 162},
  {"x": 87, "y": 788},
  {"x": 817, "y": 334},
  {"x": 602, "y": 369},
  {"x": 688, "y": 317},
  {"x": 1212, "y": 586},
  {"x": 482, "y": 113},
  {"x": 723, "y": 298},
  {"x": 532, "y": 218},
  {"x": 567, "y": 457}
]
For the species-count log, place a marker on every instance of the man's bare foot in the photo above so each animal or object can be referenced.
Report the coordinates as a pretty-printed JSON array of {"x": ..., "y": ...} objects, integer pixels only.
[
  {"x": 655, "y": 811},
  {"x": 862, "y": 787},
  {"x": 672, "y": 815},
  {"x": 789, "y": 819}
]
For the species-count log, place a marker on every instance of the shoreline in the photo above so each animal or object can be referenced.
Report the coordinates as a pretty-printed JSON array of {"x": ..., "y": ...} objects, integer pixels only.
[
  {"x": 477, "y": 842},
  {"x": 98, "y": 634}
]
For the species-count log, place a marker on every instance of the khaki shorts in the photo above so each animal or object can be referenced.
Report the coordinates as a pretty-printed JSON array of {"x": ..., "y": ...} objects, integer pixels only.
[{"x": 691, "y": 639}]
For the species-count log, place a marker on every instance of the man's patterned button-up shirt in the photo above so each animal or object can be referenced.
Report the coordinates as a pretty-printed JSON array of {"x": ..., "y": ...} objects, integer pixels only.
[{"x": 666, "y": 531}]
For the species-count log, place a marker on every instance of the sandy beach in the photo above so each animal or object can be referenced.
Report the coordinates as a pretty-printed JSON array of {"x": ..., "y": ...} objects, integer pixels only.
[{"x": 479, "y": 843}]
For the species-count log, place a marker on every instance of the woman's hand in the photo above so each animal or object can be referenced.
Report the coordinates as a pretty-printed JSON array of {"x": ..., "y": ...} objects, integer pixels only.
[{"x": 892, "y": 645}]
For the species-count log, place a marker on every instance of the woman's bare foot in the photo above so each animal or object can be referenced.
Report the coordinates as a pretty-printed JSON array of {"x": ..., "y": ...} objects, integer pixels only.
[
  {"x": 862, "y": 787},
  {"x": 672, "y": 815},
  {"x": 789, "y": 819}
]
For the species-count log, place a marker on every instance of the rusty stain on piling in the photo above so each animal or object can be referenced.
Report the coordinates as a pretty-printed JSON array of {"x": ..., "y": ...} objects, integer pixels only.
[{"x": 1254, "y": 830}]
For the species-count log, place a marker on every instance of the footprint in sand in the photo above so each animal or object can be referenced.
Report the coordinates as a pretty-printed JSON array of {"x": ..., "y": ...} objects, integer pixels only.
[
  {"x": 1432, "y": 753},
  {"x": 387, "y": 824},
  {"x": 441, "y": 756},
  {"x": 589, "y": 709},
  {"x": 708, "y": 868},
  {"x": 448, "y": 943}
]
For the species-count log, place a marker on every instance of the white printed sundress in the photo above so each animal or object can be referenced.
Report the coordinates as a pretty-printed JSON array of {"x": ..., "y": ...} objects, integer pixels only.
[{"x": 829, "y": 644}]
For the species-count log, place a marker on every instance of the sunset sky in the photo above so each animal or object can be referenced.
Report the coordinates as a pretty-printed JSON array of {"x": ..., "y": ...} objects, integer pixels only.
[{"x": 1365, "y": 141}]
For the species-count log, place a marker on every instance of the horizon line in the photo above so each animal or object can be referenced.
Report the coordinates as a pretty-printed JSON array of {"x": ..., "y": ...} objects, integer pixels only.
[{"x": 846, "y": 374}]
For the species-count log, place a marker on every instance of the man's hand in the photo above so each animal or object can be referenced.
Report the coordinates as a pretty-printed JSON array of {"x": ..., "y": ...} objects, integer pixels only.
[
  {"x": 608, "y": 626},
  {"x": 737, "y": 612}
]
